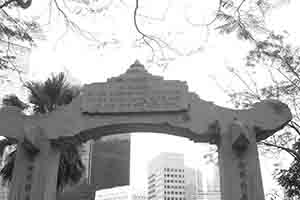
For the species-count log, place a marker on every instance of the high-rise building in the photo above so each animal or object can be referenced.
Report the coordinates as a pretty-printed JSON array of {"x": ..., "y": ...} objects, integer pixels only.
[
  {"x": 166, "y": 177},
  {"x": 110, "y": 161},
  {"x": 85, "y": 152},
  {"x": 212, "y": 182},
  {"x": 120, "y": 193},
  {"x": 190, "y": 183},
  {"x": 170, "y": 179},
  {"x": 193, "y": 184}
]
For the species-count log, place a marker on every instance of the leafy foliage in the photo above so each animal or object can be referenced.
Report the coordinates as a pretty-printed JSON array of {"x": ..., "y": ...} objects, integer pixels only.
[
  {"x": 15, "y": 30},
  {"x": 245, "y": 18},
  {"x": 45, "y": 97},
  {"x": 7, "y": 170},
  {"x": 55, "y": 91},
  {"x": 13, "y": 100},
  {"x": 71, "y": 168},
  {"x": 282, "y": 62},
  {"x": 290, "y": 178}
]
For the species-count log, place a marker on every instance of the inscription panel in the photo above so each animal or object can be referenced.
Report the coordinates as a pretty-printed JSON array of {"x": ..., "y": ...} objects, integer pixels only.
[{"x": 137, "y": 95}]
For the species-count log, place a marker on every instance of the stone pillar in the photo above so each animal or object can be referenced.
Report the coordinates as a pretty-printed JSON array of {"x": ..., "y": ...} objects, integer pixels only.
[
  {"x": 239, "y": 164},
  {"x": 35, "y": 169}
]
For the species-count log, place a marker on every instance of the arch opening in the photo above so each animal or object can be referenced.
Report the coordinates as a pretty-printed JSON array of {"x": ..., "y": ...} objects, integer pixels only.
[{"x": 187, "y": 154}]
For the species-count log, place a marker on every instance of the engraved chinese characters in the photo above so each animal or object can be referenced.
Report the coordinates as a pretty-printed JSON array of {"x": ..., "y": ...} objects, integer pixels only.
[{"x": 135, "y": 91}]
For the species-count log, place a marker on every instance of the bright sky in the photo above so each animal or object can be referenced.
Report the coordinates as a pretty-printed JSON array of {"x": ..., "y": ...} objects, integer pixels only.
[{"x": 86, "y": 63}]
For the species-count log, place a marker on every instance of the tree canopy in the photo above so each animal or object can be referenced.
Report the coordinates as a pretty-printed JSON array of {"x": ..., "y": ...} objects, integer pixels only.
[
  {"x": 279, "y": 62},
  {"x": 45, "y": 97},
  {"x": 245, "y": 18}
]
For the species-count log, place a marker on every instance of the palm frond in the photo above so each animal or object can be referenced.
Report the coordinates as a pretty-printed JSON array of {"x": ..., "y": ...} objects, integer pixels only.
[
  {"x": 71, "y": 168},
  {"x": 13, "y": 100},
  {"x": 55, "y": 91},
  {"x": 5, "y": 143},
  {"x": 45, "y": 97},
  {"x": 7, "y": 170},
  {"x": 37, "y": 97}
]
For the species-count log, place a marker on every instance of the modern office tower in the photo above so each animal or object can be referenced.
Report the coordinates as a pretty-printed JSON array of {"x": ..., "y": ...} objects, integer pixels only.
[
  {"x": 120, "y": 193},
  {"x": 190, "y": 183},
  {"x": 85, "y": 152},
  {"x": 166, "y": 177},
  {"x": 212, "y": 183},
  {"x": 199, "y": 180},
  {"x": 193, "y": 184},
  {"x": 110, "y": 161},
  {"x": 139, "y": 195}
]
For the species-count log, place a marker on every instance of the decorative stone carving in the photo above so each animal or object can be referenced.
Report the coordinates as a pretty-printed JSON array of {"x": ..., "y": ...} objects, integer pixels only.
[
  {"x": 135, "y": 91},
  {"x": 240, "y": 137}
]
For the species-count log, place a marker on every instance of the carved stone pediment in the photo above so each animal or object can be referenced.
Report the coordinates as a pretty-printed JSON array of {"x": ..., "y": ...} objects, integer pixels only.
[{"x": 135, "y": 91}]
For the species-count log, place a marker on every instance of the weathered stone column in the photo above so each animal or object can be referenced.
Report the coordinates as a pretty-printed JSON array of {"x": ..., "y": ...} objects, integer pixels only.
[
  {"x": 239, "y": 164},
  {"x": 35, "y": 169}
]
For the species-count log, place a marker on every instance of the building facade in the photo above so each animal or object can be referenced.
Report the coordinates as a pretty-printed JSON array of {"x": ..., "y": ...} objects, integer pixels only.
[
  {"x": 193, "y": 183},
  {"x": 109, "y": 161},
  {"x": 85, "y": 152},
  {"x": 212, "y": 183},
  {"x": 170, "y": 179},
  {"x": 166, "y": 180}
]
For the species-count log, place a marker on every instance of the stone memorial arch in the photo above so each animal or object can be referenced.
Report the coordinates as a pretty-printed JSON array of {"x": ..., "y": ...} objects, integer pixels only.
[{"x": 138, "y": 101}]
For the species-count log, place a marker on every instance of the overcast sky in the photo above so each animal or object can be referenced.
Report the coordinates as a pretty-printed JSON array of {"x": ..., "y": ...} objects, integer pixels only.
[{"x": 88, "y": 62}]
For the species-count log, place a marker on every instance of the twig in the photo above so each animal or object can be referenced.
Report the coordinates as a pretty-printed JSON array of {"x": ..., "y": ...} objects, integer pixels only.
[
  {"x": 6, "y": 3},
  {"x": 294, "y": 126},
  {"x": 290, "y": 151}
]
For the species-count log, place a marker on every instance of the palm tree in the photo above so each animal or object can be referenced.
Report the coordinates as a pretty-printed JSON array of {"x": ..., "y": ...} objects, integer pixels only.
[{"x": 45, "y": 97}]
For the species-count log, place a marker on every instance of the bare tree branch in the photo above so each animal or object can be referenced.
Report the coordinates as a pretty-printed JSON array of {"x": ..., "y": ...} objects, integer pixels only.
[
  {"x": 294, "y": 126},
  {"x": 6, "y": 3},
  {"x": 144, "y": 36},
  {"x": 290, "y": 151},
  {"x": 20, "y": 3}
]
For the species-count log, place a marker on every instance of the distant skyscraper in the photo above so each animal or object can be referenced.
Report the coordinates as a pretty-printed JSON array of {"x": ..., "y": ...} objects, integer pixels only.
[
  {"x": 212, "y": 182},
  {"x": 170, "y": 179},
  {"x": 86, "y": 155},
  {"x": 194, "y": 184},
  {"x": 166, "y": 177},
  {"x": 190, "y": 183},
  {"x": 110, "y": 161}
]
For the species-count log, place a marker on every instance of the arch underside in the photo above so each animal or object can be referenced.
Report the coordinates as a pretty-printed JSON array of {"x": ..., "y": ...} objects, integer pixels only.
[{"x": 123, "y": 128}]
